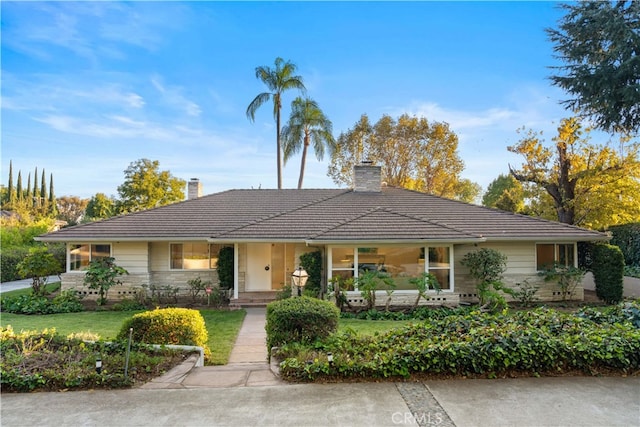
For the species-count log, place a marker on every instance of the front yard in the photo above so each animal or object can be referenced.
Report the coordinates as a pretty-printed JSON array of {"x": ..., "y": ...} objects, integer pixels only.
[{"x": 222, "y": 326}]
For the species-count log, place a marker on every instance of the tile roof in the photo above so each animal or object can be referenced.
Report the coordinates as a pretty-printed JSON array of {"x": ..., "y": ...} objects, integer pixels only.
[{"x": 329, "y": 215}]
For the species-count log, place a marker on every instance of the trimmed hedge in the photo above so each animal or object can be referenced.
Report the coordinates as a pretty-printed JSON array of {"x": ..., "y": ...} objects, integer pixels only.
[
  {"x": 180, "y": 326},
  {"x": 301, "y": 319},
  {"x": 627, "y": 238},
  {"x": 9, "y": 259},
  {"x": 479, "y": 344},
  {"x": 608, "y": 272}
]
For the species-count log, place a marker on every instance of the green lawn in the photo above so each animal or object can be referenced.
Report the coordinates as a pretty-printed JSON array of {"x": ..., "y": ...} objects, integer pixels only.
[
  {"x": 50, "y": 287},
  {"x": 223, "y": 326}
]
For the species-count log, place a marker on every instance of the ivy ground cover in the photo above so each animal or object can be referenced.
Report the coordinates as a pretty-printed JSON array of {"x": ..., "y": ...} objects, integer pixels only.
[{"x": 537, "y": 342}]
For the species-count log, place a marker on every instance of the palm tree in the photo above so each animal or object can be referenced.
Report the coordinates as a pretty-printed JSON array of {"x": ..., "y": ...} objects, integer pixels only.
[
  {"x": 277, "y": 80},
  {"x": 307, "y": 124}
]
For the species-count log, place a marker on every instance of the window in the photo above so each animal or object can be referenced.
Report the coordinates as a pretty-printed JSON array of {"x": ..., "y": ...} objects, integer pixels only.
[
  {"x": 194, "y": 256},
  {"x": 400, "y": 263},
  {"x": 81, "y": 255},
  {"x": 548, "y": 254}
]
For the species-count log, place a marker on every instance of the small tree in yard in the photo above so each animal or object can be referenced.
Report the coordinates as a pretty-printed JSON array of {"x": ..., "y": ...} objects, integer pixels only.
[
  {"x": 102, "y": 275},
  {"x": 38, "y": 265},
  {"x": 487, "y": 266},
  {"x": 423, "y": 283}
]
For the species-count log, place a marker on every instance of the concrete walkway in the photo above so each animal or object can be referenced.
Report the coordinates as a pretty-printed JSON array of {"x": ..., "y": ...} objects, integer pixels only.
[{"x": 247, "y": 367}]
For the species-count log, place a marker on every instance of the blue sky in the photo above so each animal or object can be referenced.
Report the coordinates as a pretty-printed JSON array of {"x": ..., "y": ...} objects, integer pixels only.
[{"x": 89, "y": 87}]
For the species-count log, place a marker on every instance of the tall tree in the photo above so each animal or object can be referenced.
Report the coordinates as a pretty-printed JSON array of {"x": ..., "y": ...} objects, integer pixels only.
[
  {"x": 36, "y": 190},
  {"x": 467, "y": 191},
  {"x": 278, "y": 80},
  {"x": 43, "y": 194},
  {"x": 11, "y": 193},
  {"x": 71, "y": 208},
  {"x": 27, "y": 195},
  {"x": 19, "y": 191},
  {"x": 599, "y": 42},
  {"x": 146, "y": 186},
  {"x": 307, "y": 124},
  {"x": 100, "y": 207},
  {"x": 413, "y": 153},
  {"x": 52, "y": 198},
  {"x": 574, "y": 172},
  {"x": 505, "y": 193}
]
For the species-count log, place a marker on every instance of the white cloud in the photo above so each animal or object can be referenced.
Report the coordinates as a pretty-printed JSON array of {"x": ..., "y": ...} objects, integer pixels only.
[{"x": 174, "y": 97}]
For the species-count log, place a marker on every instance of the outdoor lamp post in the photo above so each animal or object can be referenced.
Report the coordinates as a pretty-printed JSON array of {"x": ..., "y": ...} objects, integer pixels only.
[
  {"x": 299, "y": 279},
  {"x": 98, "y": 364}
]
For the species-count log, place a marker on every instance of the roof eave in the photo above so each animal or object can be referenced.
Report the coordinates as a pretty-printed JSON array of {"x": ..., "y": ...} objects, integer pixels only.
[{"x": 393, "y": 241}]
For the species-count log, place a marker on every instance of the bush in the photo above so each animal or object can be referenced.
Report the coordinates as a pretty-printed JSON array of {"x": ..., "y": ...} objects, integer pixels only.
[
  {"x": 225, "y": 267},
  {"x": 487, "y": 267},
  {"x": 127, "y": 304},
  {"x": 9, "y": 260},
  {"x": 476, "y": 344},
  {"x": 181, "y": 326},
  {"x": 627, "y": 238},
  {"x": 608, "y": 272},
  {"x": 46, "y": 361},
  {"x": 301, "y": 319},
  {"x": 312, "y": 263},
  {"x": 66, "y": 302}
]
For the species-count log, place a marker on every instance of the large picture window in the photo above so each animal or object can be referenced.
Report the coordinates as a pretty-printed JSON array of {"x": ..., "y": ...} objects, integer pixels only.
[
  {"x": 80, "y": 255},
  {"x": 548, "y": 254},
  {"x": 400, "y": 263},
  {"x": 194, "y": 256}
]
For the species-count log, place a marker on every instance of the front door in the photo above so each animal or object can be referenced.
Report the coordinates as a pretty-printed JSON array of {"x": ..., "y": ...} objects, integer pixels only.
[{"x": 258, "y": 267}]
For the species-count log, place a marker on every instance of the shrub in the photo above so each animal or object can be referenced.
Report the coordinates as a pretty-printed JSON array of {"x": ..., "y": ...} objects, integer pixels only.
[
  {"x": 197, "y": 287},
  {"x": 475, "y": 344},
  {"x": 487, "y": 266},
  {"x": 127, "y": 304},
  {"x": 608, "y": 273},
  {"x": 225, "y": 267},
  {"x": 102, "y": 274},
  {"x": 9, "y": 260},
  {"x": 167, "y": 326},
  {"x": 301, "y": 319},
  {"x": 627, "y": 238},
  {"x": 526, "y": 293},
  {"x": 38, "y": 265},
  {"x": 312, "y": 263},
  {"x": 566, "y": 277},
  {"x": 66, "y": 302}
]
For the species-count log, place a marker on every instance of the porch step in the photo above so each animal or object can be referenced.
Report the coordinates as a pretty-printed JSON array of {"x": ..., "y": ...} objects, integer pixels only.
[{"x": 253, "y": 299}]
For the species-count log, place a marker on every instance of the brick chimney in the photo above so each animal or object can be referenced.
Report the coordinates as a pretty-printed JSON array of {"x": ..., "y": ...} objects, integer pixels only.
[
  {"x": 367, "y": 177},
  {"x": 194, "y": 189}
]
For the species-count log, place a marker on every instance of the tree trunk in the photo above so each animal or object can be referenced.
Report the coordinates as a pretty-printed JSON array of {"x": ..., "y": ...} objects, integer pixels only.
[
  {"x": 279, "y": 148},
  {"x": 304, "y": 159}
]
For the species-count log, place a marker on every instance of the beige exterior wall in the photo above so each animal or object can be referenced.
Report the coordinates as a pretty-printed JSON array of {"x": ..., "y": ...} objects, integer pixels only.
[
  {"x": 521, "y": 266},
  {"x": 148, "y": 264}
]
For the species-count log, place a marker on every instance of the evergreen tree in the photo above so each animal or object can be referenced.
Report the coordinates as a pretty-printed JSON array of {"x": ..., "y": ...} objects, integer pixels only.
[
  {"x": 44, "y": 202},
  {"x": 27, "y": 195},
  {"x": 52, "y": 199},
  {"x": 11, "y": 191},
  {"x": 36, "y": 191},
  {"x": 19, "y": 192}
]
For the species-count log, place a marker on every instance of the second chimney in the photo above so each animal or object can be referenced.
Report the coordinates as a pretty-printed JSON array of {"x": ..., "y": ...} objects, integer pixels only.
[
  {"x": 367, "y": 177},
  {"x": 194, "y": 189}
]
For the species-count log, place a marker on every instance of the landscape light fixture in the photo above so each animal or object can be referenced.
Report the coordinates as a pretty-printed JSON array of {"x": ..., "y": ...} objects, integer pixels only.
[{"x": 299, "y": 279}]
